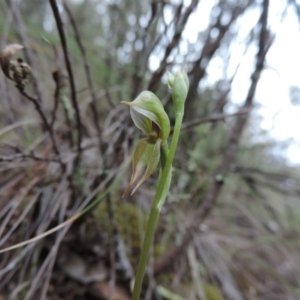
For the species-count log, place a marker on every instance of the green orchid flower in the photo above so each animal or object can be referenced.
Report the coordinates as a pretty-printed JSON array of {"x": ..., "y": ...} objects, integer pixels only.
[{"x": 148, "y": 114}]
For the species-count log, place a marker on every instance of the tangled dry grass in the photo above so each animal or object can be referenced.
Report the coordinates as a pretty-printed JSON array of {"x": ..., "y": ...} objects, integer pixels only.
[{"x": 230, "y": 227}]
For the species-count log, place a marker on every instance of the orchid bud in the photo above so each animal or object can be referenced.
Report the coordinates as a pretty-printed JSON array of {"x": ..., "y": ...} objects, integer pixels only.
[
  {"x": 148, "y": 114},
  {"x": 170, "y": 81},
  {"x": 180, "y": 87}
]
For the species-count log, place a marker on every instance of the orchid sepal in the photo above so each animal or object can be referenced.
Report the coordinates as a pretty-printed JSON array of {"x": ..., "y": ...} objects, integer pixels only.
[
  {"x": 147, "y": 109},
  {"x": 146, "y": 156}
]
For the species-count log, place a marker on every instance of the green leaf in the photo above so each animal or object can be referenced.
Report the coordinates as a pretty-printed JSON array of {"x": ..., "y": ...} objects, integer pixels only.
[{"x": 167, "y": 294}]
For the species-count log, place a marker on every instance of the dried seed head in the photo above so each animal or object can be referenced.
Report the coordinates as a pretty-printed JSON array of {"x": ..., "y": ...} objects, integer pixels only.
[
  {"x": 6, "y": 55},
  {"x": 16, "y": 70}
]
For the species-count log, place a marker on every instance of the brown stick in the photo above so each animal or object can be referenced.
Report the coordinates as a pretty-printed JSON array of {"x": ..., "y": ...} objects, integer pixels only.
[
  {"x": 47, "y": 126},
  {"x": 28, "y": 54},
  {"x": 59, "y": 25},
  {"x": 216, "y": 118},
  {"x": 93, "y": 105},
  {"x": 175, "y": 41},
  {"x": 31, "y": 155}
]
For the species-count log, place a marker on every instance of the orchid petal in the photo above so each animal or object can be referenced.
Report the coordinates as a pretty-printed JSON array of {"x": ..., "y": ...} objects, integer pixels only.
[
  {"x": 153, "y": 157},
  {"x": 139, "y": 162}
]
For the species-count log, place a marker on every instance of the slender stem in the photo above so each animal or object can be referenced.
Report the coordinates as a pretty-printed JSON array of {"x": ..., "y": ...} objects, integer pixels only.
[
  {"x": 63, "y": 40},
  {"x": 162, "y": 190}
]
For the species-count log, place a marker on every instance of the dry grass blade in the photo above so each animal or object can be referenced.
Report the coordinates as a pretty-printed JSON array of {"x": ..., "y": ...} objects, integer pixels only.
[{"x": 36, "y": 238}]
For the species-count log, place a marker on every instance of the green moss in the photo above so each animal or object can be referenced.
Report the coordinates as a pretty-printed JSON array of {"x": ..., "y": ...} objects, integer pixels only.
[
  {"x": 128, "y": 220},
  {"x": 212, "y": 292}
]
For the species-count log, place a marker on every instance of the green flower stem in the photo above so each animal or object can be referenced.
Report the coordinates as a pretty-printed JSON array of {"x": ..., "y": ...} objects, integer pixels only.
[
  {"x": 162, "y": 190},
  {"x": 164, "y": 154}
]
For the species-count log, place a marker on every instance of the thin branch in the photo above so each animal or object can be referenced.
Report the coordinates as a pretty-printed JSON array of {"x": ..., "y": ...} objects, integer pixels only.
[
  {"x": 28, "y": 54},
  {"x": 59, "y": 25},
  {"x": 16, "y": 125},
  {"x": 112, "y": 254},
  {"x": 93, "y": 105},
  {"x": 210, "y": 47},
  {"x": 140, "y": 62},
  {"x": 56, "y": 77},
  {"x": 31, "y": 155},
  {"x": 216, "y": 118},
  {"x": 253, "y": 181},
  {"x": 271, "y": 175},
  {"x": 44, "y": 119},
  {"x": 58, "y": 94},
  {"x": 175, "y": 41},
  {"x": 60, "y": 84}
]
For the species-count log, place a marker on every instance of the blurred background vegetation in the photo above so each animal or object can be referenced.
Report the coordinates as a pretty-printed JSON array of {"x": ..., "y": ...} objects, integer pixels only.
[{"x": 230, "y": 228}]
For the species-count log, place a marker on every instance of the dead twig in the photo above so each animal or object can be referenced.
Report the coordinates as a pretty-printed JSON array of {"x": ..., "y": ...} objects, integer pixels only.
[
  {"x": 31, "y": 155},
  {"x": 61, "y": 32},
  {"x": 44, "y": 119},
  {"x": 210, "y": 47},
  {"x": 93, "y": 105},
  {"x": 28, "y": 54},
  {"x": 175, "y": 41},
  {"x": 216, "y": 118}
]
